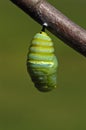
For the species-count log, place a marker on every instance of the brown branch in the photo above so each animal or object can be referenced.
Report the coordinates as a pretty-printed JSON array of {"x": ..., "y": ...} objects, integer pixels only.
[{"x": 58, "y": 24}]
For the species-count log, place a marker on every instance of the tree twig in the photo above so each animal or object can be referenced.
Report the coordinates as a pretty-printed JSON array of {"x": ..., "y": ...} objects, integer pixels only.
[{"x": 58, "y": 24}]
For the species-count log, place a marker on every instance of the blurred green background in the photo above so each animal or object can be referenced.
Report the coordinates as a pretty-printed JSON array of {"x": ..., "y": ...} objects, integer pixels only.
[{"x": 22, "y": 106}]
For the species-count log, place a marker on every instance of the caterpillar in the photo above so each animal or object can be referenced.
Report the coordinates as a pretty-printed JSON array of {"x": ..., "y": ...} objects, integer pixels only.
[{"x": 41, "y": 62}]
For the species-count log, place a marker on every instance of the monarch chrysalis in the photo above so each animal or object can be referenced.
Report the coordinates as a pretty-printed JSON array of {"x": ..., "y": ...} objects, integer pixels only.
[{"x": 41, "y": 62}]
